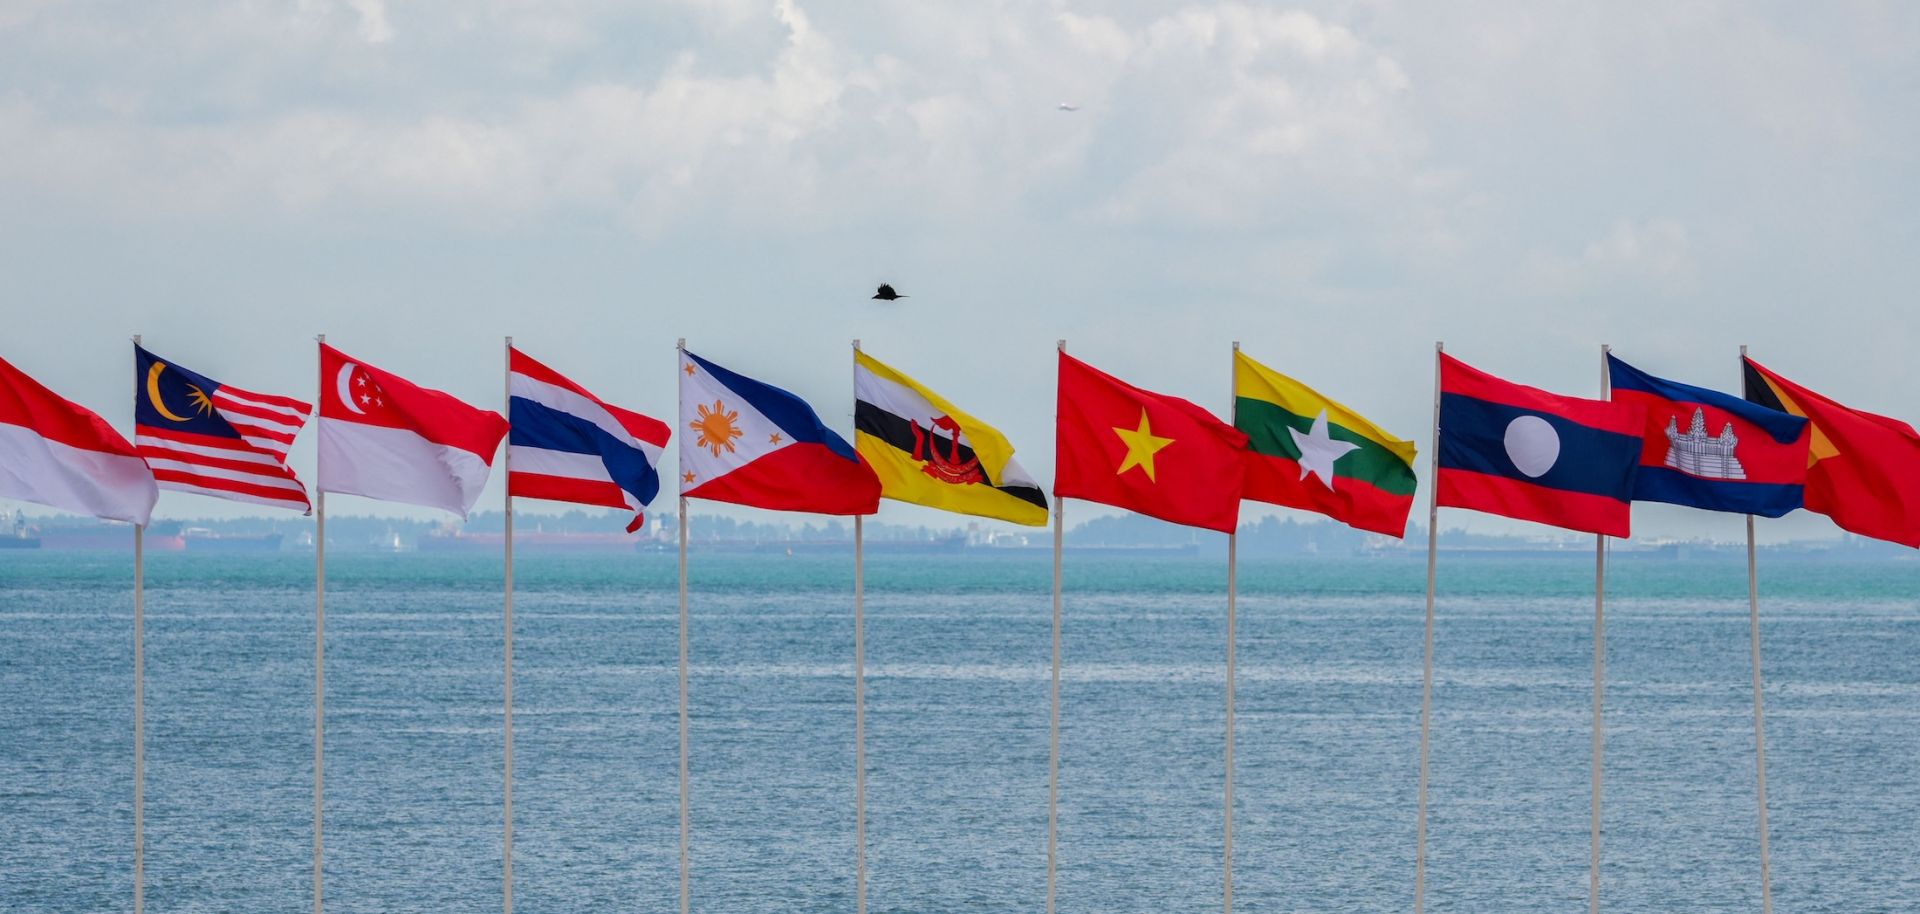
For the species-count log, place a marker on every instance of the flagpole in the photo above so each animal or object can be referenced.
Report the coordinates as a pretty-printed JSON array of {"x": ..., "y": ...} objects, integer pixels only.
[
  {"x": 686, "y": 897},
  {"x": 1759, "y": 711},
  {"x": 506, "y": 831},
  {"x": 1233, "y": 549},
  {"x": 1053, "y": 725},
  {"x": 319, "y": 661},
  {"x": 1599, "y": 679},
  {"x": 1426, "y": 682},
  {"x": 859, "y": 703},
  {"x": 139, "y": 713}
]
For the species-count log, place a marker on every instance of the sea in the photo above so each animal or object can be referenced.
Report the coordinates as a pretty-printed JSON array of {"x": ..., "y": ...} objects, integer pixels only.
[{"x": 957, "y": 674}]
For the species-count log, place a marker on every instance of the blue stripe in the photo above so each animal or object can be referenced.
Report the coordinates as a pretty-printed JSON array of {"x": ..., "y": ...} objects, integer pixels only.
[
  {"x": 1784, "y": 427},
  {"x": 539, "y": 426},
  {"x": 790, "y": 413},
  {"x": 1596, "y": 462},
  {"x": 1767, "y": 499},
  {"x": 176, "y": 391}
]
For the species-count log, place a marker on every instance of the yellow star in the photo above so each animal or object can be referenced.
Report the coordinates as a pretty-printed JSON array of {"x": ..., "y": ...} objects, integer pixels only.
[
  {"x": 1141, "y": 446},
  {"x": 686, "y": 477},
  {"x": 773, "y": 438},
  {"x": 688, "y": 368}
]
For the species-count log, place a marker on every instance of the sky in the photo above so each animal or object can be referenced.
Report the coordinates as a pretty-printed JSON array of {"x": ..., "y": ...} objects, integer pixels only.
[{"x": 1336, "y": 185}]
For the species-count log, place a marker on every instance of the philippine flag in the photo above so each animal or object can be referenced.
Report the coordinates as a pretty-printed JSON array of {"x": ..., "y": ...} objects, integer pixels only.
[
  {"x": 58, "y": 453},
  {"x": 754, "y": 444},
  {"x": 385, "y": 437},
  {"x": 567, "y": 445},
  {"x": 1528, "y": 454}
]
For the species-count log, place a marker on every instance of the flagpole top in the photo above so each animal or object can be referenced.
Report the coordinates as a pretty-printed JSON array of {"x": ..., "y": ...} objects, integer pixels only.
[
  {"x": 680, "y": 344},
  {"x": 1604, "y": 348},
  {"x": 136, "y": 342},
  {"x": 856, "y": 345},
  {"x": 509, "y": 341},
  {"x": 1439, "y": 346},
  {"x": 1743, "y": 350},
  {"x": 1061, "y": 345},
  {"x": 319, "y": 337},
  {"x": 1236, "y": 345}
]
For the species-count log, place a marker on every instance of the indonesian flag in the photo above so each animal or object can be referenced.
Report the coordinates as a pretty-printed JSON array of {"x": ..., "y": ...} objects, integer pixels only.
[
  {"x": 385, "y": 437},
  {"x": 57, "y": 453}
]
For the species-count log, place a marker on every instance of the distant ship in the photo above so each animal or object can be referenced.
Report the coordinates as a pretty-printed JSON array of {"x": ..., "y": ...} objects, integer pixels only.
[
  {"x": 531, "y": 541},
  {"x": 18, "y": 535},
  {"x": 111, "y": 536},
  {"x": 201, "y": 539}
]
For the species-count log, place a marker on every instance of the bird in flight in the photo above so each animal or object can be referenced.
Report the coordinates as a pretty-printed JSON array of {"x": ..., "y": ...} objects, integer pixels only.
[
  {"x": 886, "y": 293},
  {"x": 1068, "y": 106}
]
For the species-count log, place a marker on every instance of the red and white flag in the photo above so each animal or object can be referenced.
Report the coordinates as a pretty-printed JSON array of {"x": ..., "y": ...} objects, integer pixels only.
[
  {"x": 385, "y": 437},
  {"x": 209, "y": 438},
  {"x": 58, "y": 453}
]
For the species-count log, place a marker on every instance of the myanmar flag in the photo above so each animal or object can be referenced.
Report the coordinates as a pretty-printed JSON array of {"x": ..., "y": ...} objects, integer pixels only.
[
  {"x": 1130, "y": 448},
  {"x": 1312, "y": 453},
  {"x": 1863, "y": 470}
]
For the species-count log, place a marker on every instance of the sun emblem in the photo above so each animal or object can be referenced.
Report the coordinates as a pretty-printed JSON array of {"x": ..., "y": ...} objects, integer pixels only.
[
  {"x": 202, "y": 403},
  {"x": 716, "y": 428}
]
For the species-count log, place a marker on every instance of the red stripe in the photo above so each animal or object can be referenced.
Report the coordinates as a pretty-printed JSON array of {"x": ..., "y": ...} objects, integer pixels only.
[
  {"x": 253, "y": 431},
  {"x": 29, "y": 404},
  {"x": 1529, "y": 501},
  {"x": 560, "y": 488},
  {"x": 1457, "y": 377},
  {"x": 436, "y": 416},
  {"x": 228, "y": 485},
  {"x": 153, "y": 452},
  {"x": 645, "y": 428},
  {"x": 234, "y": 406},
  {"x": 214, "y": 441},
  {"x": 799, "y": 477},
  {"x": 1354, "y": 502},
  {"x": 265, "y": 399},
  {"x": 521, "y": 363}
]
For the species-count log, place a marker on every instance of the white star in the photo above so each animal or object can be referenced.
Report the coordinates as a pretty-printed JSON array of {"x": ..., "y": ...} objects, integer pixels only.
[{"x": 1318, "y": 451}]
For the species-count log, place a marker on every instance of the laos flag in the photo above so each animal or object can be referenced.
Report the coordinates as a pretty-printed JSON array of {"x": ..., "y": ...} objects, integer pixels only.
[
  {"x": 753, "y": 444},
  {"x": 1528, "y": 454},
  {"x": 1705, "y": 449}
]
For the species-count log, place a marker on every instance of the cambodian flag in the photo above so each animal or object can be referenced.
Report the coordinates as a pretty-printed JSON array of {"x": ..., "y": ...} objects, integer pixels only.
[
  {"x": 568, "y": 445},
  {"x": 1705, "y": 449},
  {"x": 750, "y": 443},
  {"x": 1525, "y": 453}
]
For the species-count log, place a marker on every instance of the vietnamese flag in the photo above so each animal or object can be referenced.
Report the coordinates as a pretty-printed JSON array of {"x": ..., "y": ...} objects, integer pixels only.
[
  {"x": 1158, "y": 455},
  {"x": 1863, "y": 470}
]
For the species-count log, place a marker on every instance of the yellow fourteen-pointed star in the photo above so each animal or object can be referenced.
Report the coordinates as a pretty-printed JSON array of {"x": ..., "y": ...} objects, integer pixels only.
[{"x": 1141, "y": 446}]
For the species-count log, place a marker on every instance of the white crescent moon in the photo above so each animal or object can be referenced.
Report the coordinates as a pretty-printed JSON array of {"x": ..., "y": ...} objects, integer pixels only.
[{"x": 346, "y": 394}]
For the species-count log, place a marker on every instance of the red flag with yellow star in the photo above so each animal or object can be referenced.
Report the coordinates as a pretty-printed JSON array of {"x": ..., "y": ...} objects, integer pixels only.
[{"x": 1161, "y": 456}]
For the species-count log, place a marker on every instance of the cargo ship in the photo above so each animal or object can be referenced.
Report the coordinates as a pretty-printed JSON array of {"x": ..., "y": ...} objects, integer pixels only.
[
  {"x": 17, "y": 535},
  {"x": 203, "y": 540}
]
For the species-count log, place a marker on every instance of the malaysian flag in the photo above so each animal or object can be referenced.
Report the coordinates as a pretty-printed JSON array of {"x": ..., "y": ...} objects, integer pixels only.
[
  {"x": 568, "y": 445},
  {"x": 205, "y": 437}
]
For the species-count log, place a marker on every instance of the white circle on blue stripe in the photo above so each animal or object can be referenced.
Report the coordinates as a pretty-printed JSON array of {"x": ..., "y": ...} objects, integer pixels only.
[{"x": 1532, "y": 445}]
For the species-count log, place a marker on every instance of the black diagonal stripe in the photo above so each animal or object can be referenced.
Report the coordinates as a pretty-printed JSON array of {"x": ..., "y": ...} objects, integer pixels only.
[
  {"x": 1758, "y": 390},
  {"x": 898, "y": 432}
]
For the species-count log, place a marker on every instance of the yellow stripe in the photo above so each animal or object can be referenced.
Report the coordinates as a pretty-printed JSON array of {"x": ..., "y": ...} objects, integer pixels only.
[
  {"x": 1258, "y": 382},
  {"x": 1819, "y": 446},
  {"x": 901, "y": 479},
  {"x": 992, "y": 448}
]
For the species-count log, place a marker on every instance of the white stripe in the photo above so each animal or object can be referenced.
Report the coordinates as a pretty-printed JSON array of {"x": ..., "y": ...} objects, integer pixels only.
[
  {"x": 559, "y": 398},
  {"x": 897, "y": 399},
  {"x": 239, "y": 418},
  {"x": 395, "y": 464},
  {"x": 299, "y": 503},
  {"x": 269, "y": 480},
  {"x": 237, "y": 452},
  {"x": 293, "y": 415},
  {"x": 543, "y": 462},
  {"x": 35, "y": 469}
]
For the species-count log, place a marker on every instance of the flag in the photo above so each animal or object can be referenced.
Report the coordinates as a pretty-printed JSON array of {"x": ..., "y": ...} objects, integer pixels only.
[
  {"x": 928, "y": 452},
  {"x": 1158, "y": 455},
  {"x": 1863, "y": 470},
  {"x": 1705, "y": 449},
  {"x": 1310, "y": 452},
  {"x": 58, "y": 453},
  {"x": 568, "y": 445},
  {"x": 385, "y": 437},
  {"x": 757, "y": 445},
  {"x": 208, "y": 438},
  {"x": 1524, "y": 453}
]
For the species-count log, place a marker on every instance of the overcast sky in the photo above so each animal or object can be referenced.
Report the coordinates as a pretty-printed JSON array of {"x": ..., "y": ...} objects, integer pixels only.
[{"x": 1337, "y": 185}]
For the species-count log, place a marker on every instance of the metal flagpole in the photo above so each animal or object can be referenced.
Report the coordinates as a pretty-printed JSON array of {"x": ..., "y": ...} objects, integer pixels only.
[
  {"x": 506, "y": 831},
  {"x": 1233, "y": 549},
  {"x": 1599, "y": 679},
  {"x": 1426, "y": 683},
  {"x": 139, "y": 713},
  {"x": 1759, "y": 711},
  {"x": 686, "y": 897},
  {"x": 859, "y": 705},
  {"x": 1053, "y": 726},
  {"x": 319, "y": 660}
]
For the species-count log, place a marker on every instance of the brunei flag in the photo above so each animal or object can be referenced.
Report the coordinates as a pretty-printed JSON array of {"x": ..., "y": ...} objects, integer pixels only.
[
  {"x": 1863, "y": 470},
  {"x": 1312, "y": 453},
  {"x": 928, "y": 452}
]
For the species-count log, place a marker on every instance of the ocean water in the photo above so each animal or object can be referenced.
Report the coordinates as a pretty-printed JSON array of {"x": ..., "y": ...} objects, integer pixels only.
[{"x": 1329, "y": 695}]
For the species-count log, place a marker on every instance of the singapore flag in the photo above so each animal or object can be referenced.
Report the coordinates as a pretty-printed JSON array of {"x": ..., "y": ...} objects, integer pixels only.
[{"x": 385, "y": 437}]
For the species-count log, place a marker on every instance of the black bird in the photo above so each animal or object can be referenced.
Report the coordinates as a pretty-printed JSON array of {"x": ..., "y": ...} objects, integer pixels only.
[{"x": 886, "y": 293}]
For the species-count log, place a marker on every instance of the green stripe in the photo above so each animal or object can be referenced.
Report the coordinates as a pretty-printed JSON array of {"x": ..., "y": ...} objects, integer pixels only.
[{"x": 1266, "y": 424}]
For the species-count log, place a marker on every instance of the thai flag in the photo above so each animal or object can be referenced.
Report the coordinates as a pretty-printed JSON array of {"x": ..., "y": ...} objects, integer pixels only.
[
  {"x": 208, "y": 438},
  {"x": 58, "y": 453},
  {"x": 568, "y": 445}
]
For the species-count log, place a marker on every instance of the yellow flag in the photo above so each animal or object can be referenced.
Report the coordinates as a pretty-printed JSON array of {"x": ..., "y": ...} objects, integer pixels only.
[{"x": 928, "y": 452}]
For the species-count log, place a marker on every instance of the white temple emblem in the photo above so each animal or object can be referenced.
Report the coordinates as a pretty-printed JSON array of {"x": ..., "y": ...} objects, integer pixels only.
[{"x": 1699, "y": 454}]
